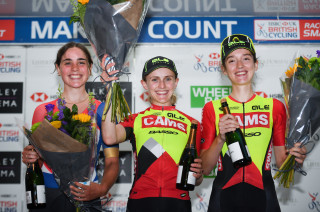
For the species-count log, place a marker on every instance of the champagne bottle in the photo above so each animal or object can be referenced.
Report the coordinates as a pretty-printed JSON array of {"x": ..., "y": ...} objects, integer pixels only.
[
  {"x": 35, "y": 189},
  {"x": 236, "y": 142},
  {"x": 185, "y": 179}
]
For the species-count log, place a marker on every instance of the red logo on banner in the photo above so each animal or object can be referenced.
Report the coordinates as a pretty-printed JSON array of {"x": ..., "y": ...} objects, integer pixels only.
[
  {"x": 309, "y": 29},
  {"x": 1, "y": 56},
  {"x": 214, "y": 56},
  {"x": 7, "y": 29},
  {"x": 0, "y": 125},
  {"x": 7, "y": 6},
  {"x": 262, "y": 94},
  {"x": 144, "y": 96},
  {"x": 39, "y": 97}
]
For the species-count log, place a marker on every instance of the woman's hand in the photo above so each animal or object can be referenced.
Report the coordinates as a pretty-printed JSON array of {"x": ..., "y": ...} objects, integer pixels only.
[
  {"x": 298, "y": 152},
  {"x": 29, "y": 155},
  {"x": 227, "y": 123},
  {"x": 83, "y": 192},
  {"x": 107, "y": 75},
  {"x": 196, "y": 167}
]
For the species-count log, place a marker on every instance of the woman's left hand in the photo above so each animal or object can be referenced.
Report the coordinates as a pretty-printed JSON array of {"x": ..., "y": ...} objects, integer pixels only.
[
  {"x": 298, "y": 152},
  {"x": 196, "y": 167},
  {"x": 85, "y": 192},
  {"x": 107, "y": 75}
]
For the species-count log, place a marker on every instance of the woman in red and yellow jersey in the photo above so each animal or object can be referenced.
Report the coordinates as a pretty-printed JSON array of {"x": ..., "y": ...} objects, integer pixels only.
[
  {"x": 263, "y": 122},
  {"x": 158, "y": 136}
]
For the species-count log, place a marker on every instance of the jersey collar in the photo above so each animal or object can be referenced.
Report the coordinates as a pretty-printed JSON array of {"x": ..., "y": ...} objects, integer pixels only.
[
  {"x": 157, "y": 107},
  {"x": 252, "y": 97}
]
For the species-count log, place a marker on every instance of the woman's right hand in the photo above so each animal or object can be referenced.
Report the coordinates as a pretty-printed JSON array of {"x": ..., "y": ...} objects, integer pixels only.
[
  {"x": 29, "y": 155},
  {"x": 227, "y": 123}
]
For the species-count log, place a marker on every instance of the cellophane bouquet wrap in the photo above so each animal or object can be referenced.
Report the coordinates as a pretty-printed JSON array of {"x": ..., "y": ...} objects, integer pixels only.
[
  {"x": 301, "y": 91},
  {"x": 112, "y": 28},
  {"x": 67, "y": 142}
]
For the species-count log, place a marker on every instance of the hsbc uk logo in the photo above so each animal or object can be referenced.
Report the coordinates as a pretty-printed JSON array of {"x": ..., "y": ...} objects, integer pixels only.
[
  {"x": 262, "y": 94},
  {"x": 39, "y": 97},
  {"x": 144, "y": 96},
  {"x": 209, "y": 63}
]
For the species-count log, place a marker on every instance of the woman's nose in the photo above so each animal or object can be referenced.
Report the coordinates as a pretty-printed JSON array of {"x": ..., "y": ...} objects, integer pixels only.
[
  {"x": 74, "y": 66},
  {"x": 162, "y": 84},
  {"x": 240, "y": 64}
]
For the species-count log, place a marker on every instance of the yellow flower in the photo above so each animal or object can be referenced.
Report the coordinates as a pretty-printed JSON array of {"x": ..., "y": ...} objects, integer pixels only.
[
  {"x": 56, "y": 124},
  {"x": 82, "y": 117},
  {"x": 291, "y": 70},
  {"x": 83, "y": 1}
]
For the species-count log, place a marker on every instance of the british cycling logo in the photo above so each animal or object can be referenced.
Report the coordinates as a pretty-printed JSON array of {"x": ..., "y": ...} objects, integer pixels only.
[
  {"x": 201, "y": 205},
  {"x": 208, "y": 64},
  {"x": 261, "y": 32},
  {"x": 314, "y": 204}
]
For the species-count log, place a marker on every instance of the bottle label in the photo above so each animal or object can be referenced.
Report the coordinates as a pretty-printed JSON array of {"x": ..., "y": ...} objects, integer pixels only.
[
  {"x": 28, "y": 197},
  {"x": 248, "y": 151},
  {"x": 191, "y": 178},
  {"x": 179, "y": 175},
  {"x": 41, "y": 194},
  {"x": 235, "y": 152}
]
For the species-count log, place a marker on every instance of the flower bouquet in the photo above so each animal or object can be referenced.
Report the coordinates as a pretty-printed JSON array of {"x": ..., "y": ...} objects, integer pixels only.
[
  {"x": 66, "y": 141},
  {"x": 301, "y": 89},
  {"x": 112, "y": 28}
]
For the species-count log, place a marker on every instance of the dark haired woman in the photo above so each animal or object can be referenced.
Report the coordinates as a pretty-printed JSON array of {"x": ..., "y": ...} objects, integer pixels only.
[
  {"x": 249, "y": 188},
  {"x": 74, "y": 63}
]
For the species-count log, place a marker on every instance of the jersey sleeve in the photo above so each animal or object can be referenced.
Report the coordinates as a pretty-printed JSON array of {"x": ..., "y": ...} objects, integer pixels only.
[
  {"x": 208, "y": 126},
  {"x": 279, "y": 123},
  {"x": 129, "y": 121},
  {"x": 39, "y": 114}
]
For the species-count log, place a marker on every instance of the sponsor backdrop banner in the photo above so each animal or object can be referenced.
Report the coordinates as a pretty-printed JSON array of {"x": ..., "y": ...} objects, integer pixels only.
[
  {"x": 35, "y": 30},
  {"x": 173, "y": 7}
]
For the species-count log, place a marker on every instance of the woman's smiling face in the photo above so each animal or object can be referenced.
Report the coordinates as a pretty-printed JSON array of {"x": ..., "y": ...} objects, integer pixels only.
[
  {"x": 74, "y": 68},
  {"x": 161, "y": 85},
  {"x": 240, "y": 67}
]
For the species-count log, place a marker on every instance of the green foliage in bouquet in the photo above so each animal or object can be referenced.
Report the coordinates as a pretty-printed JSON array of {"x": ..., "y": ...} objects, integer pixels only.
[
  {"x": 308, "y": 71},
  {"x": 79, "y": 9},
  {"x": 120, "y": 108}
]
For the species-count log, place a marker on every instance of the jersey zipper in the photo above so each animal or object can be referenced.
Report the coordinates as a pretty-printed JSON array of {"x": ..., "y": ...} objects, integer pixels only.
[
  {"x": 244, "y": 133},
  {"x": 161, "y": 164}
]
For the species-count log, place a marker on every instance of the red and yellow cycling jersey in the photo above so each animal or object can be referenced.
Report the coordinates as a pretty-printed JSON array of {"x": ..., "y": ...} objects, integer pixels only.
[
  {"x": 158, "y": 136},
  {"x": 263, "y": 122}
]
